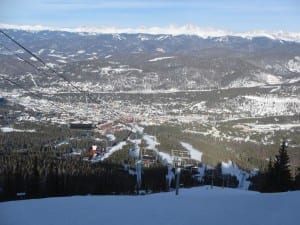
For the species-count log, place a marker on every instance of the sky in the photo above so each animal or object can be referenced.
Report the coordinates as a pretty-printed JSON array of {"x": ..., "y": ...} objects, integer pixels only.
[{"x": 233, "y": 15}]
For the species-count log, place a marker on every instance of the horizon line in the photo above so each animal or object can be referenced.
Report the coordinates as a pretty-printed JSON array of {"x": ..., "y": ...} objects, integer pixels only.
[{"x": 172, "y": 29}]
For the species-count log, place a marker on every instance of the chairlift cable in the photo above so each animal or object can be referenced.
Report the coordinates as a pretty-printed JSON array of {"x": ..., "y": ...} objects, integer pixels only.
[
  {"x": 28, "y": 91},
  {"x": 53, "y": 70}
]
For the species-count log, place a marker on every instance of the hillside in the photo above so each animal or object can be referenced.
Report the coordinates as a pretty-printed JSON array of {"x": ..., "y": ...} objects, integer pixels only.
[{"x": 231, "y": 96}]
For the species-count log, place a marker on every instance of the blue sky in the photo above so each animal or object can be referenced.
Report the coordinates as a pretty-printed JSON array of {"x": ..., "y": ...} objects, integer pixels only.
[{"x": 234, "y": 15}]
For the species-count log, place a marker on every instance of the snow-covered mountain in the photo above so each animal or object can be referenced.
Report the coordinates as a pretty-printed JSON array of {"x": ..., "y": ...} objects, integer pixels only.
[
  {"x": 182, "y": 58},
  {"x": 174, "y": 30}
]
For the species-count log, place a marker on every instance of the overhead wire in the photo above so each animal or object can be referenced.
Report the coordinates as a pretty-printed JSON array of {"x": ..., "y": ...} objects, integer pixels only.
[
  {"x": 53, "y": 71},
  {"x": 29, "y": 92},
  {"x": 40, "y": 60},
  {"x": 25, "y": 60},
  {"x": 57, "y": 74}
]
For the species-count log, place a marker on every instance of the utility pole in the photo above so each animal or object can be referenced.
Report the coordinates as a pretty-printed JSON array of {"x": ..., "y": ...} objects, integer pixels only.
[
  {"x": 138, "y": 169},
  {"x": 212, "y": 179},
  {"x": 138, "y": 175},
  {"x": 169, "y": 176},
  {"x": 178, "y": 170}
]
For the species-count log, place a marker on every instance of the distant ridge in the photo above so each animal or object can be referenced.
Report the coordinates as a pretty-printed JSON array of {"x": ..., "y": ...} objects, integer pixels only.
[{"x": 169, "y": 30}]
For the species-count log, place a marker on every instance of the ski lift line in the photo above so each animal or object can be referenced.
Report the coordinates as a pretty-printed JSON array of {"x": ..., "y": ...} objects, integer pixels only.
[
  {"x": 45, "y": 64},
  {"x": 56, "y": 73},
  {"x": 40, "y": 60},
  {"x": 29, "y": 92},
  {"x": 52, "y": 70},
  {"x": 25, "y": 60}
]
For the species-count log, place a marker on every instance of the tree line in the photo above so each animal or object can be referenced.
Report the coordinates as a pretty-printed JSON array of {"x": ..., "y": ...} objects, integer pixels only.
[
  {"x": 48, "y": 174},
  {"x": 43, "y": 174}
]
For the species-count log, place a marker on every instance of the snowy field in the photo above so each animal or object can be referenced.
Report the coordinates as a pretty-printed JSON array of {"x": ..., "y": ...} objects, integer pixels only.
[{"x": 193, "y": 206}]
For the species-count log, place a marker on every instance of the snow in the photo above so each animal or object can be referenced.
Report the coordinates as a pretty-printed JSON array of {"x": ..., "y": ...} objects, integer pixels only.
[
  {"x": 232, "y": 169},
  {"x": 137, "y": 128},
  {"x": 151, "y": 141},
  {"x": 61, "y": 61},
  {"x": 151, "y": 144},
  {"x": 201, "y": 205},
  {"x": 199, "y": 106},
  {"x": 10, "y": 129},
  {"x": 118, "y": 37},
  {"x": 160, "y": 50},
  {"x": 269, "y": 105},
  {"x": 57, "y": 56},
  {"x": 160, "y": 58},
  {"x": 33, "y": 59},
  {"x": 52, "y": 65},
  {"x": 110, "y": 137},
  {"x": 187, "y": 29},
  {"x": 266, "y": 128},
  {"x": 143, "y": 37},
  {"x": 268, "y": 78},
  {"x": 293, "y": 65},
  {"x": 194, "y": 153},
  {"x": 165, "y": 158},
  {"x": 113, "y": 149},
  {"x": 262, "y": 79},
  {"x": 109, "y": 70},
  {"x": 32, "y": 79},
  {"x": 80, "y": 51},
  {"x": 41, "y": 51},
  {"x": 244, "y": 82}
]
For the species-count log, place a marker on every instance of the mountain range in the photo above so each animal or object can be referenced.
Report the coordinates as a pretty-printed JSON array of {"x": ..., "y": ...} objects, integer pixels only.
[{"x": 138, "y": 61}]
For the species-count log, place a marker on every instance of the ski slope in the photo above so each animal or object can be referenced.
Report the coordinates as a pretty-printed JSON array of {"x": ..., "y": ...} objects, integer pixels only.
[{"x": 192, "y": 206}]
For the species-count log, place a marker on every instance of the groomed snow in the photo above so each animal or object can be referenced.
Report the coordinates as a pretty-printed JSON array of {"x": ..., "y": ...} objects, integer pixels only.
[
  {"x": 232, "y": 169},
  {"x": 151, "y": 144},
  {"x": 192, "y": 206},
  {"x": 195, "y": 154},
  {"x": 113, "y": 149}
]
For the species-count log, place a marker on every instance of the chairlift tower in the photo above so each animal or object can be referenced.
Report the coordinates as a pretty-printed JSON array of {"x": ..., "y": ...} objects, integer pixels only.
[
  {"x": 178, "y": 158},
  {"x": 136, "y": 153}
]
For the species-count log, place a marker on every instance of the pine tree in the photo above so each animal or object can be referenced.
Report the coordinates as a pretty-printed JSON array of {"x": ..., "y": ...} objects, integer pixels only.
[{"x": 282, "y": 173}]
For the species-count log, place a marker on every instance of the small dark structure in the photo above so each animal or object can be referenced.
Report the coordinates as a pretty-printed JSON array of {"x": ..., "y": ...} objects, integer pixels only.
[{"x": 82, "y": 126}]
